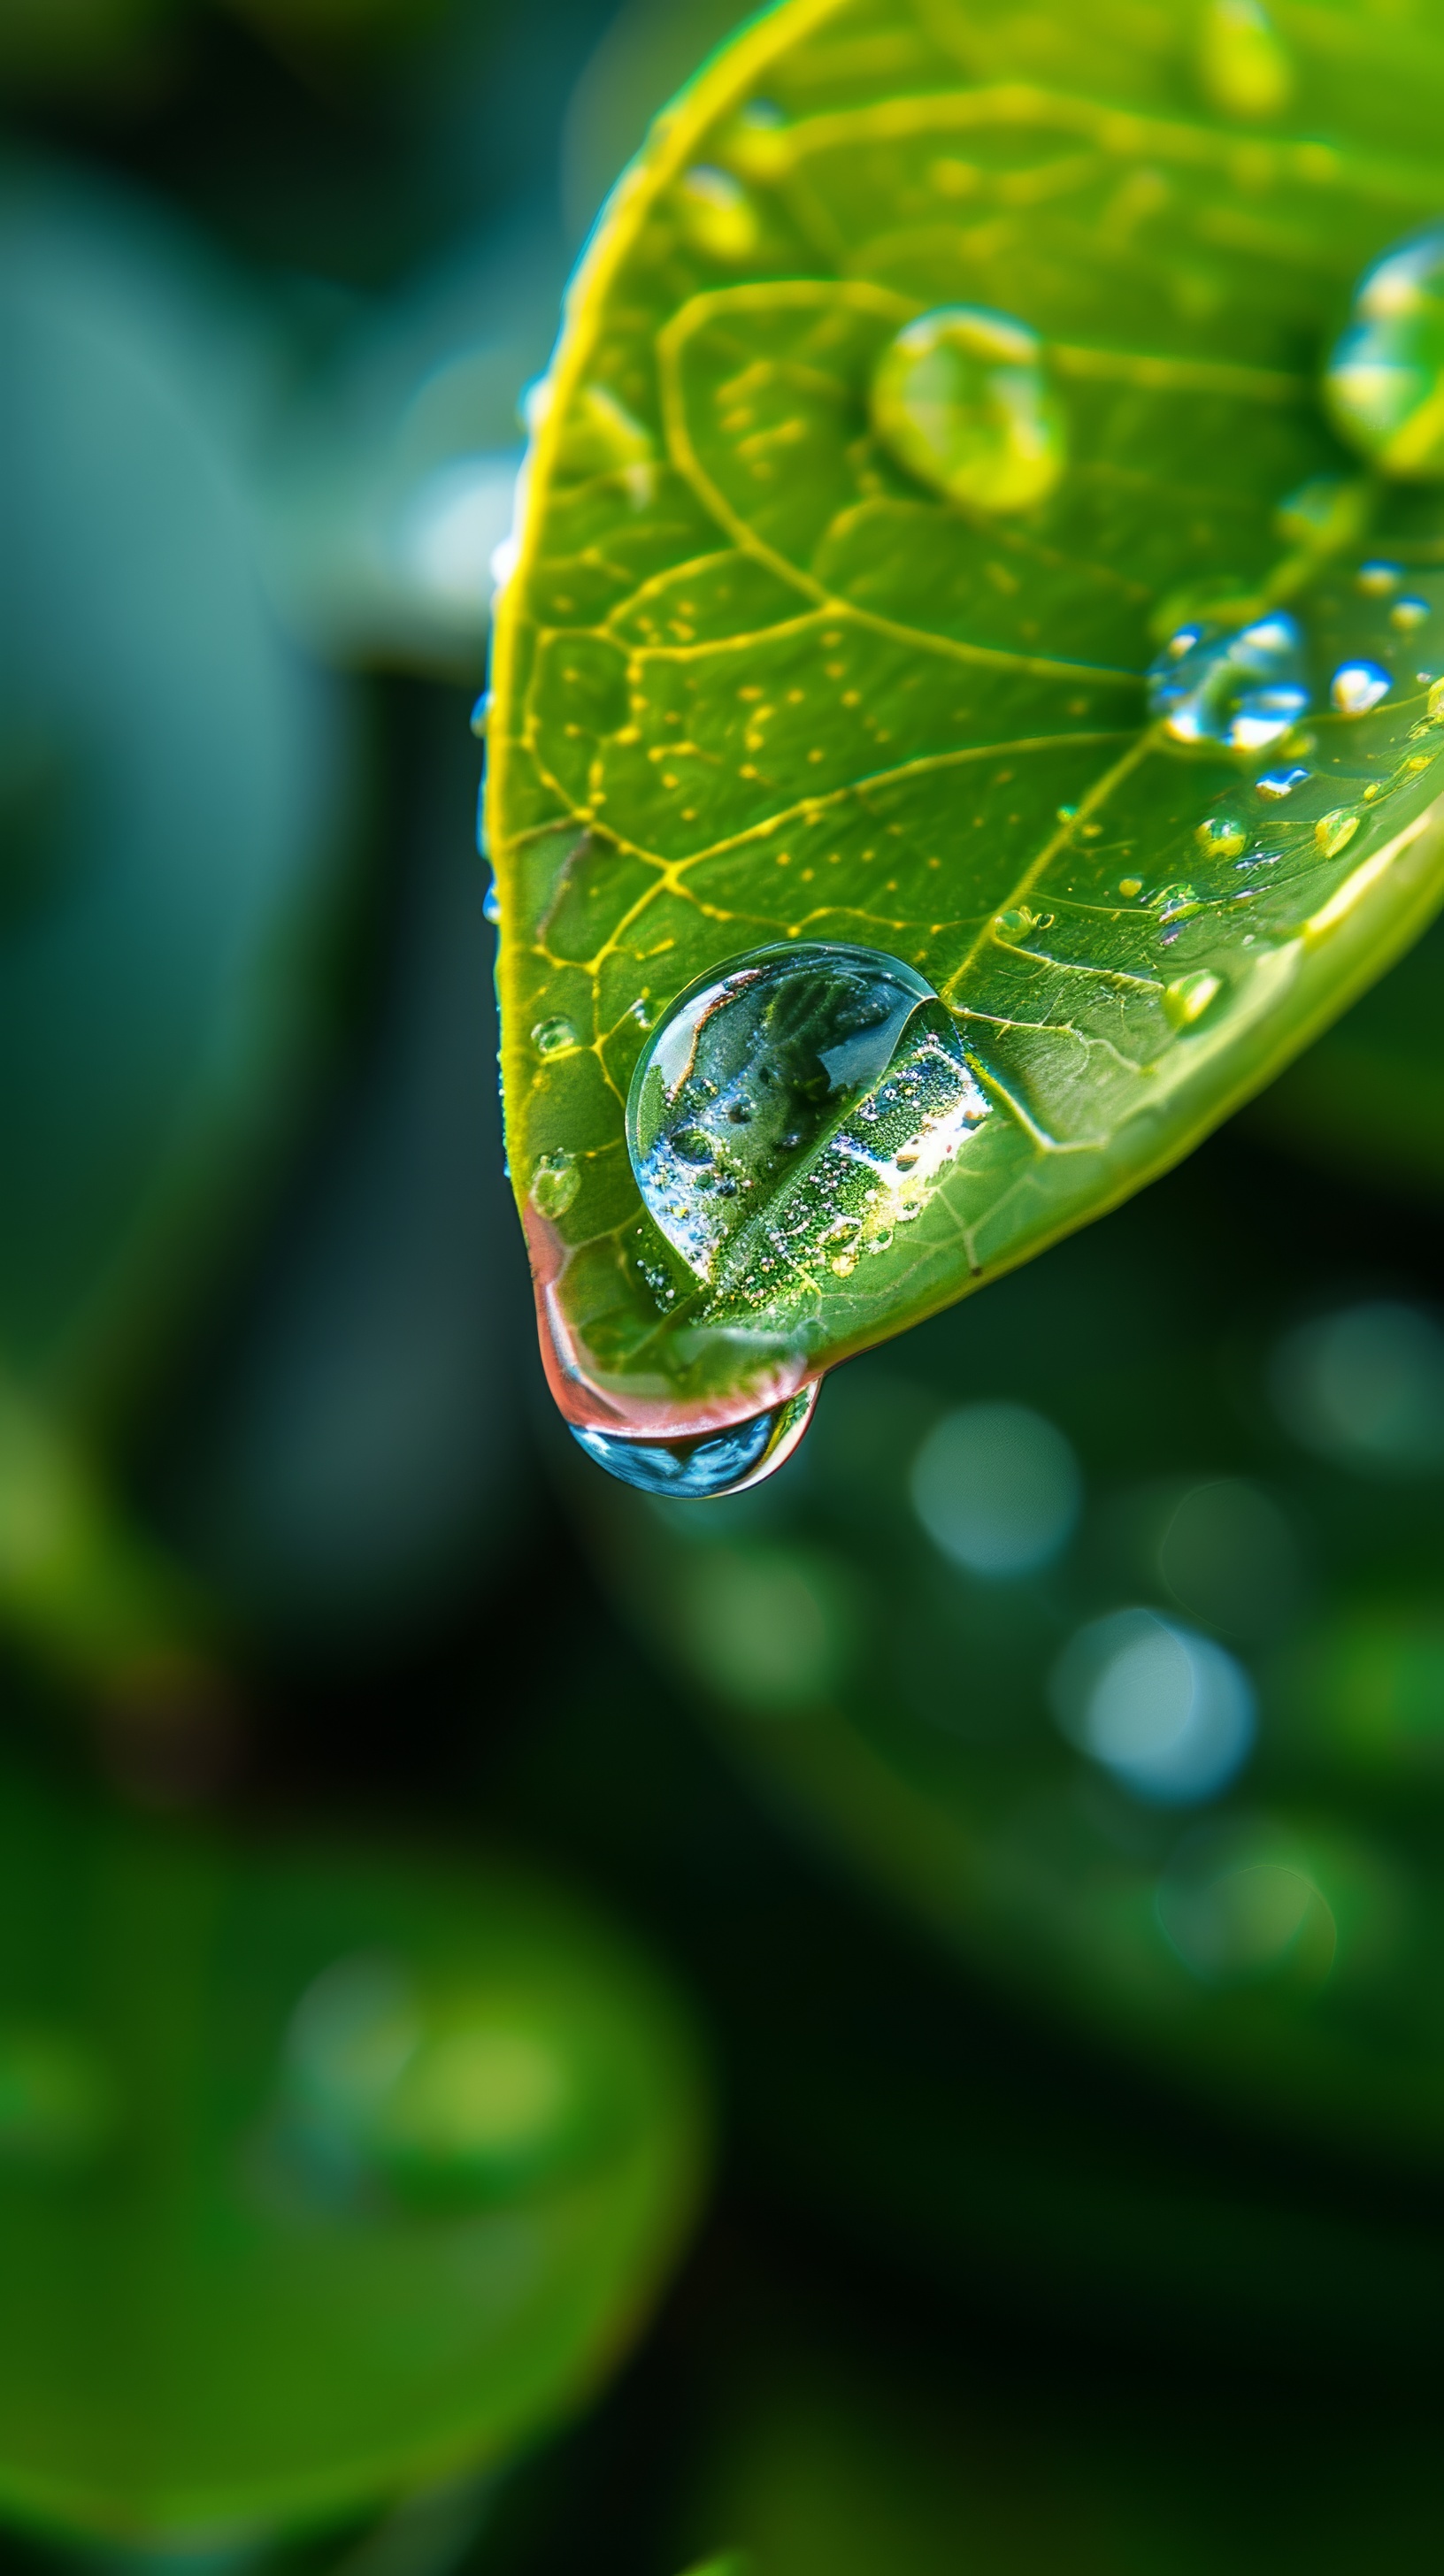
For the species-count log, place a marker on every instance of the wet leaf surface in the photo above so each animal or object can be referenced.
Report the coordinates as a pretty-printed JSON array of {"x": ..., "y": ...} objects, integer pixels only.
[{"x": 758, "y": 680}]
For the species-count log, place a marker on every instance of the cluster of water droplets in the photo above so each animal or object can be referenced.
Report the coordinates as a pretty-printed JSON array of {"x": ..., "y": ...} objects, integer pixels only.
[{"x": 790, "y": 1112}]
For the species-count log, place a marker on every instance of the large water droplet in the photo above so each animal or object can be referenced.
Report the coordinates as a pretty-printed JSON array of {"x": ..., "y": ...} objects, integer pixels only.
[
  {"x": 793, "y": 1108},
  {"x": 963, "y": 399},
  {"x": 713, "y": 1463},
  {"x": 555, "y": 1182},
  {"x": 1384, "y": 381},
  {"x": 1243, "y": 64},
  {"x": 1242, "y": 689}
]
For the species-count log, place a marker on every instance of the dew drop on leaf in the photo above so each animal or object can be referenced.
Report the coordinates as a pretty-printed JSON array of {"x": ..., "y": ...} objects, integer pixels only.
[
  {"x": 1385, "y": 373},
  {"x": 554, "y": 1037},
  {"x": 1333, "y": 832},
  {"x": 831, "y": 1067},
  {"x": 1186, "y": 1000},
  {"x": 1242, "y": 690},
  {"x": 491, "y": 905},
  {"x": 1278, "y": 783},
  {"x": 1221, "y": 837},
  {"x": 963, "y": 399},
  {"x": 717, "y": 215},
  {"x": 705, "y": 1468},
  {"x": 1358, "y": 686},
  {"x": 1243, "y": 63},
  {"x": 554, "y": 1184}
]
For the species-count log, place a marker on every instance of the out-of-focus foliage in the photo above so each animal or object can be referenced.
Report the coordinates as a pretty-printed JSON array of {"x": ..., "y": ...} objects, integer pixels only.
[
  {"x": 766, "y": 675},
  {"x": 1369, "y": 1098},
  {"x": 1101, "y": 1626},
  {"x": 325, "y": 2174}
]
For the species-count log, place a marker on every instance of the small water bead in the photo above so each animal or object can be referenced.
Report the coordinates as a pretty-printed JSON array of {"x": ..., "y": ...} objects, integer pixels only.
[
  {"x": 717, "y": 215},
  {"x": 704, "y": 1468},
  {"x": 1333, "y": 832},
  {"x": 554, "y": 1037},
  {"x": 830, "y": 1067},
  {"x": 1356, "y": 687},
  {"x": 1279, "y": 783},
  {"x": 963, "y": 399},
  {"x": 1243, "y": 63},
  {"x": 1186, "y": 1000},
  {"x": 1242, "y": 688},
  {"x": 1406, "y": 614},
  {"x": 480, "y": 714},
  {"x": 491, "y": 905},
  {"x": 1385, "y": 375},
  {"x": 1221, "y": 837},
  {"x": 554, "y": 1184},
  {"x": 1377, "y": 580}
]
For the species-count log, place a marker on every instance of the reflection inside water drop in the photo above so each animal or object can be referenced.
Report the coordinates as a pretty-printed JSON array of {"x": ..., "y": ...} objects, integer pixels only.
[
  {"x": 963, "y": 399},
  {"x": 790, "y": 1111},
  {"x": 1240, "y": 688},
  {"x": 712, "y": 1463}
]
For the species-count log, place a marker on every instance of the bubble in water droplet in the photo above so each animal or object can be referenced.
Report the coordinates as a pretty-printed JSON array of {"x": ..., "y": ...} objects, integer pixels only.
[
  {"x": 1358, "y": 686},
  {"x": 838, "y": 1059},
  {"x": 1385, "y": 374},
  {"x": 1220, "y": 837},
  {"x": 1278, "y": 783},
  {"x": 1188, "y": 998},
  {"x": 963, "y": 399},
  {"x": 555, "y": 1183},
  {"x": 1243, "y": 62},
  {"x": 1406, "y": 614},
  {"x": 711, "y": 1464},
  {"x": 1242, "y": 689},
  {"x": 717, "y": 215},
  {"x": 1333, "y": 832},
  {"x": 554, "y": 1037}
]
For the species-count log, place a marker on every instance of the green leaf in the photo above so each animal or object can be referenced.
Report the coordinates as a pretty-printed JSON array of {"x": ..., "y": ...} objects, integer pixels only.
[
  {"x": 756, "y": 683},
  {"x": 1099, "y": 1627},
  {"x": 325, "y": 2175}
]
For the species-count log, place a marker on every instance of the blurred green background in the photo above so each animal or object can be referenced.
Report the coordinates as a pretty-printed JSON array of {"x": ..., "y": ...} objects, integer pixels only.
[{"x": 892, "y": 2024}]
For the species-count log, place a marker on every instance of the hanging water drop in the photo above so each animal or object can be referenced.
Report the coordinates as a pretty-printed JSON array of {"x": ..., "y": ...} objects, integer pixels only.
[
  {"x": 963, "y": 399},
  {"x": 774, "y": 1095},
  {"x": 1243, "y": 63},
  {"x": 712, "y": 1463},
  {"x": 1358, "y": 686},
  {"x": 1384, "y": 381},
  {"x": 1241, "y": 689}
]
